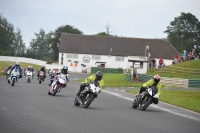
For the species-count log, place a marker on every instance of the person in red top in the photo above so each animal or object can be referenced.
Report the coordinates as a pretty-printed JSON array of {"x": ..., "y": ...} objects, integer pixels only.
[
  {"x": 190, "y": 56},
  {"x": 160, "y": 61}
]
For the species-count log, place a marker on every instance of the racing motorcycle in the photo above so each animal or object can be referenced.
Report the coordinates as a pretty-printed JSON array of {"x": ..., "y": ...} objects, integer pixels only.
[
  {"x": 58, "y": 84},
  {"x": 29, "y": 75},
  {"x": 88, "y": 94},
  {"x": 14, "y": 76},
  {"x": 8, "y": 76},
  {"x": 146, "y": 98},
  {"x": 41, "y": 77}
]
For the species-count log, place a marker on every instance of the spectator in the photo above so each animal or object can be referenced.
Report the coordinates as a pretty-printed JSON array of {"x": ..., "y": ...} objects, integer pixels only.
[
  {"x": 190, "y": 56},
  {"x": 180, "y": 58},
  {"x": 198, "y": 57},
  {"x": 153, "y": 62},
  {"x": 184, "y": 55},
  {"x": 175, "y": 60},
  {"x": 160, "y": 61}
]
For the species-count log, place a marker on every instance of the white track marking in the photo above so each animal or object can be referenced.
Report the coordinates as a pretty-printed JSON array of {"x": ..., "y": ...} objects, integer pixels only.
[{"x": 167, "y": 110}]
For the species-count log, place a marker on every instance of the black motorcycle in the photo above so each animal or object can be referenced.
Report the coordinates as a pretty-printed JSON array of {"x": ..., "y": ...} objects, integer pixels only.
[
  {"x": 146, "y": 98},
  {"x": 87, "y": 95}
]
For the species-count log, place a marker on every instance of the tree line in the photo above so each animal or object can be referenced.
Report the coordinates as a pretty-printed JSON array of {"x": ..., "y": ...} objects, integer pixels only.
[{"x": 183, "y": 33}]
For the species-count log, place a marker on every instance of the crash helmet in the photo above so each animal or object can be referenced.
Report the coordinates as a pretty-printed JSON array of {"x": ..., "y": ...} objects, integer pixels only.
[
  {"x": 64, "y": 69},
  {"x": 156, "y": 78},
  {"x": 42, "y": 67},
  {"x": 17, "y": 64},
  {"x": 99, "y": 75}
]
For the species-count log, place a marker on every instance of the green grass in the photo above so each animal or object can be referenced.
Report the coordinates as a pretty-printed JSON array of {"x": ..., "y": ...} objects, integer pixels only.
[
  {"x": 190, "y": 65},
  {"x": 5, "y": 64},
  {"x": 116, "y": 80},
  {"x": 188, "y": 99}
]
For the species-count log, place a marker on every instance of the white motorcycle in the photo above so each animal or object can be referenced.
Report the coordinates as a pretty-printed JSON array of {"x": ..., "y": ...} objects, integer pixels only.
[
  {"x": 58, "y": 84},
  {"x": 145, "y": 98},
  {"x": 87, "y": 95},
  {"x": 14, "y": 76},
  {"x": 29, "y": 75}
]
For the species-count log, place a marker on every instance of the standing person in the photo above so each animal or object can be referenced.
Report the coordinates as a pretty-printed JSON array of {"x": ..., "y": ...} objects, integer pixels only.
[
  {"x": 150, "y": 62},
  {"x": 154, "y": 62},
  {"x": 152, "y": 82},
  {"x": 160, "y": 62},
  {"x": 98, "y": 77},
  {"x": 184, "y": 55}
]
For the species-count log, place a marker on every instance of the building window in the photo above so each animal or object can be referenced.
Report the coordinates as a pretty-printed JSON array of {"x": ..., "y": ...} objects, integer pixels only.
[
  {"x": 96, "y": 57},
  {"x": 119, "y": 58},
  {"x": 74, "y": 56}
]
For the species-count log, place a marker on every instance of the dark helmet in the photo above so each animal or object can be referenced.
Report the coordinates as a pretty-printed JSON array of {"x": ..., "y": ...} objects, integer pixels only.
[
  {"x": 156, "y": 78},
  {"x": 65, "y": 69},
  {"x": 99, "y": 75},
  {"x": 42, "y": 67}
]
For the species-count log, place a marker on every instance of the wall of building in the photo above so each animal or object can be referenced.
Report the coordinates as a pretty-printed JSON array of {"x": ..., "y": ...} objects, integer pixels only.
[{"x": 110, "y": 62}]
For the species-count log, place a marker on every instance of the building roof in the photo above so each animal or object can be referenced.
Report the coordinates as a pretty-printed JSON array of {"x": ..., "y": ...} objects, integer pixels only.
[{"x": 121, "y": 46}]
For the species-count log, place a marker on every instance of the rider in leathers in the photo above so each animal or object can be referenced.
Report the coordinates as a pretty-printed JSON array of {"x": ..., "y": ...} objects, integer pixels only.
[
  {"x": 43, "y": 70},
  {"x": 152, "y": 82},
  {"x": 17, "y": 65},
  {"x": 98, "y": 76}
]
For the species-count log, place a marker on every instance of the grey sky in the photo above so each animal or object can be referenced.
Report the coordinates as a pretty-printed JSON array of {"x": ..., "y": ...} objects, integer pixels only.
[{"x": 129, "y": 18}]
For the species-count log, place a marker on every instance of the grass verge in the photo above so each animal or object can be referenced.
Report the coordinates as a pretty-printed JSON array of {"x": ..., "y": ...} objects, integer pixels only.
[
  {"x": 116, "y": 80},
  {"x": 188, "y": 99}
]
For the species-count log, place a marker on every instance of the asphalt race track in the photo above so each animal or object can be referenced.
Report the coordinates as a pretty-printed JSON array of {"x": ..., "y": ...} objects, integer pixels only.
[{"x": 27, "y": 108}]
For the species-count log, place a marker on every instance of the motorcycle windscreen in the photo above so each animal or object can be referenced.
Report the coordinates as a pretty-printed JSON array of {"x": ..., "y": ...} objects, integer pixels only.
[
  {"x": 154, "y": 90},
  {"x": 96, "y": 83}
]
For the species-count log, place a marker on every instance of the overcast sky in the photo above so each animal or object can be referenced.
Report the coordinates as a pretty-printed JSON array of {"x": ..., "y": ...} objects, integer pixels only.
[{"x": 129, "y": 18}]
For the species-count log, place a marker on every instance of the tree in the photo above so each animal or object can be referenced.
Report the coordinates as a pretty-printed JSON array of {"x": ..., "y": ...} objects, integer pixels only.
[
  {"x": 103, "y": 34},
  {"x": 6, "y": 36},
  {"x": 184, "y": 32},
  {"x": 18, "y": 47},
  {"x": 57, "y": 35}
]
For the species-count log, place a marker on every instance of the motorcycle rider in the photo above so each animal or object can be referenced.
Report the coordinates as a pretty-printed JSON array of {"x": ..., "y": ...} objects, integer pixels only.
[
  {"x": 98, "y": 76},
  {"x": 9, "y": 67},
  {"x": 41, "y": 70},
  {"x": 17, "y": 65},
  {"x": 64, "y": 71},
  {"x": 152, "y": 82}
]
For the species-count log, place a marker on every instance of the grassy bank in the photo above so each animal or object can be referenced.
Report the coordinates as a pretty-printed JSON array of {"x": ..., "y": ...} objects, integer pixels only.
[
  {"x": 188, "y": 99},
  {"x": 179, "y": 70},
  {"x": 5, "y": 64}
]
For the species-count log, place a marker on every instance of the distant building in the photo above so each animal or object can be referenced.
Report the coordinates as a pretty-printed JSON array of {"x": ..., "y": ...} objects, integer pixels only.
[{"x": 111, "y": 52}]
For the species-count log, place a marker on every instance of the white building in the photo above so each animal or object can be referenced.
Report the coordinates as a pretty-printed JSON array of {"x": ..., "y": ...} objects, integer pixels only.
[{"x": 112, "y": 52}]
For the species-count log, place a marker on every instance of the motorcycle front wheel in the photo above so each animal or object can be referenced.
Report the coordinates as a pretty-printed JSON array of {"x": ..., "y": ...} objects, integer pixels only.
[
  {"x": 55, "y": 91},
  {"x": 88, "y": 100},
  {"x": 146, "y": 103}
]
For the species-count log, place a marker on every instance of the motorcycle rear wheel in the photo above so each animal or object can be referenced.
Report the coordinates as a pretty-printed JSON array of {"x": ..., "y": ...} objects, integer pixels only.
[
  {"x": 135, "y": 104},
  {"x": 76, "y": 103}
]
